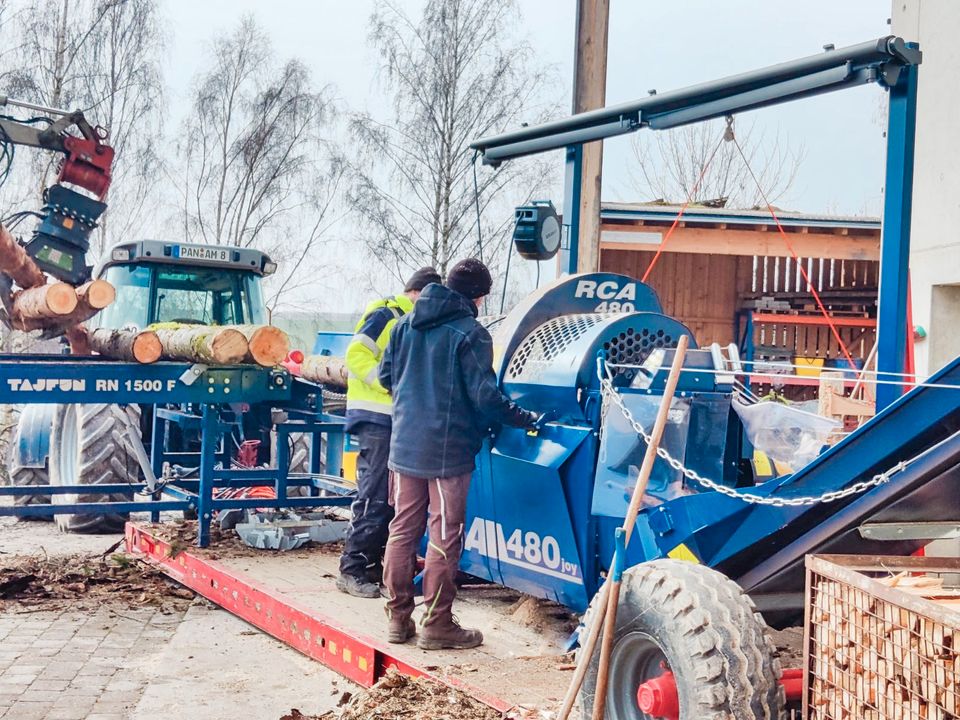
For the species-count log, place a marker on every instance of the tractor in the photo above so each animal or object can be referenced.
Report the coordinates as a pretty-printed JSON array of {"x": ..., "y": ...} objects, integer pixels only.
[{"x": 156, "y": 282}]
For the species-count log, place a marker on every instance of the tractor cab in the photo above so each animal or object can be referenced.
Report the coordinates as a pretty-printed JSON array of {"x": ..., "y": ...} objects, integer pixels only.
[{"x": 195, "y": 284}]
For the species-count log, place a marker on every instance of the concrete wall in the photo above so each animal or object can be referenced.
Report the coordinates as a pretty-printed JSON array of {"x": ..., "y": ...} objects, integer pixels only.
[{"x": 935, "y": 248}]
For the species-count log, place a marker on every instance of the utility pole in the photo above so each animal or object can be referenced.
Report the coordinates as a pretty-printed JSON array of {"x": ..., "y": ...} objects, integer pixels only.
[{"x": 590, "y": 93}]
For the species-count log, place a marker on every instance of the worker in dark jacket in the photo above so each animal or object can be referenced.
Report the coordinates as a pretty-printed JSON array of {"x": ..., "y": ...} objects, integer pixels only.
[
  {"x": 439, "y": 369},
  {"x": 368, "y": 419}
]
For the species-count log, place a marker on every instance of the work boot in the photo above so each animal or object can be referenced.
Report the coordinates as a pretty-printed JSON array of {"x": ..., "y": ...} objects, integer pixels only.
[
  {"x": 358, "y": 588},
  {"x": 399, "y": 631},
  {"x": 448, "y": 637}
]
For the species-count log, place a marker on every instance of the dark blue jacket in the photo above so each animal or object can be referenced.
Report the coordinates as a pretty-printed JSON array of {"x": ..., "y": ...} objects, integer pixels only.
[{"x": 438, "y": 367}]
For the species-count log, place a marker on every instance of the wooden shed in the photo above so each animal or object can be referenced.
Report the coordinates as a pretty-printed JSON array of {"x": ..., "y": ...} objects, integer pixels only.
[{"x": 730, "y": 275}]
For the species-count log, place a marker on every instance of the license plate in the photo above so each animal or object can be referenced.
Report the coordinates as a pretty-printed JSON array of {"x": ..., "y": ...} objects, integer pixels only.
[{"x": 202, "y": 253}]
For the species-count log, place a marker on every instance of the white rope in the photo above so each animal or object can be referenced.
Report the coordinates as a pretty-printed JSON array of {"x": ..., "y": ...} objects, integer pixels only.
[{"x": 773, "y": 375}]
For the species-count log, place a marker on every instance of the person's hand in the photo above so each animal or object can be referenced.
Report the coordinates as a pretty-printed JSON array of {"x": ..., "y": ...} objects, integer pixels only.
[{"x": 538, "y": 420}]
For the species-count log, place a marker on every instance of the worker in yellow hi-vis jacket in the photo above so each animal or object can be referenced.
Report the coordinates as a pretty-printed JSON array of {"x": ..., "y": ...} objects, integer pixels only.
[{"x": 369, "y": 410}]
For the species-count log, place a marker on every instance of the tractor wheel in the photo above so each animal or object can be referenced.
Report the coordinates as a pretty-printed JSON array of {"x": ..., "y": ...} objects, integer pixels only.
[
  {"x": 698, "y": 624},
  {"x": 299, "y": 457},
  {"x": 90, "y": 446},
  {"x": 21, "y": 474}
]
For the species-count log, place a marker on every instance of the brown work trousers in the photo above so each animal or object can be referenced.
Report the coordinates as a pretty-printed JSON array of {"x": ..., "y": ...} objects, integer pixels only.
[{"x": 411, "y": 497}]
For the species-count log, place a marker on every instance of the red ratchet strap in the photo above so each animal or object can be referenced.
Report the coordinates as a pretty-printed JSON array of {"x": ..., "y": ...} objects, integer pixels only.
[
  {"x": 683, "y": 208},
  {"x": 796, "y": 258}
]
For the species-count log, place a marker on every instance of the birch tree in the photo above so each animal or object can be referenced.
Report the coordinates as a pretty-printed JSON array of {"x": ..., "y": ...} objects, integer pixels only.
[
  {"x": 454, "y": 74},
  {"x": 103, "y": 57},
  {"x": 257, "y": 168},
  {"x": 669, "y": 164}
]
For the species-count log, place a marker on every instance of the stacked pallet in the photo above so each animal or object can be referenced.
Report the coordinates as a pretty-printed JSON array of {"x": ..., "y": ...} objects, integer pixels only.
[{"x": 879, "y": 660}]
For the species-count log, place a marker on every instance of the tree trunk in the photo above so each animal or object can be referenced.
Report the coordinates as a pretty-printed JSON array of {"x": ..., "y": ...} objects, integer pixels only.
[
  {"x": 200, "y": 343},
  {"x": 324, "y": 369},
  {"x": 142, "y": 346},
  {"x": 43, "y": 306},
  {"x": 268, "y": 345},
  {"x": 15, "y": 262}
]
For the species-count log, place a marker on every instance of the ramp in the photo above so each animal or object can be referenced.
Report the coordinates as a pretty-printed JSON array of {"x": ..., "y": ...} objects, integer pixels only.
[{"x": 292, "y": 597}]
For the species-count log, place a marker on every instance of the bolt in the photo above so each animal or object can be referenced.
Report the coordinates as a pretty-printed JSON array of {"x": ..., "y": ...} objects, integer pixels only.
[
  {"x": 210, "y": 390},
  {"x": 211, "y": 381},
  {"x": 226, "y": 390},
  {"x": 226, "y": 381}
]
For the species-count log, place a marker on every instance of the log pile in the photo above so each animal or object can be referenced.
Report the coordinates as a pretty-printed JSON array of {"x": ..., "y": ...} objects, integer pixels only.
[
  {"x": 876, "y": 660},
  {"x": 324, "y": 369},
  {"x": 40, "y": 305}
]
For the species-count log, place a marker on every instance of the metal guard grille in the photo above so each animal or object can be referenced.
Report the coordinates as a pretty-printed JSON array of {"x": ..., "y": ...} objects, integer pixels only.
[{"x": 545, "y": 344}]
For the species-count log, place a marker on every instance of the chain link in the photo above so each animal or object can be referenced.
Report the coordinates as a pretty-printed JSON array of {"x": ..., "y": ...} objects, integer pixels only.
[{"x": 610, "y": 394}]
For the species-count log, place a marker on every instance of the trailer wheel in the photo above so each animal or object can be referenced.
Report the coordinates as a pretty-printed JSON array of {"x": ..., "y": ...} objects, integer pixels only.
[
  {"x": 700, "y": 625},
  {"x": 23, "y": 475},
  {"x": 90, "y": 446}
]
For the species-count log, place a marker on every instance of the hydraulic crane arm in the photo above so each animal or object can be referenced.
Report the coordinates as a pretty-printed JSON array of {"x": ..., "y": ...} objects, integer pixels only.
[
  {"x": 60, "y": 242},
  {"x": 878, "y": 61}
]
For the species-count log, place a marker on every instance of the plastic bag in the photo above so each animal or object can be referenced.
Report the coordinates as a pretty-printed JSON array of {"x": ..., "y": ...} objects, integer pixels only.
[{"x": 784, "y": 433}]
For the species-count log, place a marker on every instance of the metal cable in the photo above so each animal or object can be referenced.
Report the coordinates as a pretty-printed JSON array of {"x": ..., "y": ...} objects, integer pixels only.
[{"x": 610, "y": 394}]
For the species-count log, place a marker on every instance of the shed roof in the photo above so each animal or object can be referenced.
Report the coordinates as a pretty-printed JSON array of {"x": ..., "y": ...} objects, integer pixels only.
[{"x": 699, "y": 215}]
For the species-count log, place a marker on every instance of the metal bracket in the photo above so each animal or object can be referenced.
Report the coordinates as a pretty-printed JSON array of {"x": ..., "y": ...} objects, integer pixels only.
[
  {"x": 190, "y": 375},
  {"x": 886, "y": 532}
]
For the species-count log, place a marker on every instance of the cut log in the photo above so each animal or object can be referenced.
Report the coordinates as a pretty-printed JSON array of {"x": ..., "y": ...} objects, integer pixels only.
[
  {"x": 15, "y": 262},
  {"x": 96, "y": 294},
  {"x": 268, "y": 345},
  {"x": 43, "y": 306},
  {"x": 324, "y": 369},
  {"x": 200, "y": 343},
  {"x": 142, "y": 346}
]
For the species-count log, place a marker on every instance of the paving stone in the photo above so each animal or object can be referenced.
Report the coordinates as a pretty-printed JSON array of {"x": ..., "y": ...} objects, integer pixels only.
[
  {"x": 44, "y": 696},
  {"x": 28, "y": 710},
  {"x": 51, "y": 685}
]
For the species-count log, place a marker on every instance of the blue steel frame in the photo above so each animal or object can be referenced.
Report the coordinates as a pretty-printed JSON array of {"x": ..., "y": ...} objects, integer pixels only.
[
  {"x": 889, "y": 61},
  {"x": 58, "y": 379},
  {"x": 895, "y": 244}
]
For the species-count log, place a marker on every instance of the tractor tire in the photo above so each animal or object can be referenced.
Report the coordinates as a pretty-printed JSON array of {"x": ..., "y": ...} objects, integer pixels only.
[
  {"x": 23, "y": 475},
  {"x": 299, "y": 458},
  {"x": 90, "y": 446},
  {"x": 700, "y": 625}
]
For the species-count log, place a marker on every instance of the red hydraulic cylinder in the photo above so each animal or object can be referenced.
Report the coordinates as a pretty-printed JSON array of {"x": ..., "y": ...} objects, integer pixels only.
[{"x": 658, "y": 697}]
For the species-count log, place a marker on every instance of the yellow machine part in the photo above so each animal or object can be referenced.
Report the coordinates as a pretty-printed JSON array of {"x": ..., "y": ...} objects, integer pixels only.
[{"x": 350, "y": 466}]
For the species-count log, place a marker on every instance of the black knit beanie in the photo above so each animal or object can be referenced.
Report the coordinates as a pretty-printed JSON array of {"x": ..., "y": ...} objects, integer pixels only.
[
  {"x": 470, "y": 278},
  {"x": 421, "y": 278}
]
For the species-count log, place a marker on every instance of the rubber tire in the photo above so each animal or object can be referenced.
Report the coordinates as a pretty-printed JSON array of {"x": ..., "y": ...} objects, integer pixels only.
[
  {"x": 298, "y": 445},
  {"x": 715, "y": 642},
  {"x": 100, "y": 453},
  {"x": 22, "y": 475}
]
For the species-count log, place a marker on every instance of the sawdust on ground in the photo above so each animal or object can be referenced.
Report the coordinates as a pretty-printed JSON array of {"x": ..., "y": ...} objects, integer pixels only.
[
  {"x": 789, "y": 643},
  {"x": 86, "y": 582},
  {"x": 398, "y": 696},
  {"x": 181, "y": 535}
]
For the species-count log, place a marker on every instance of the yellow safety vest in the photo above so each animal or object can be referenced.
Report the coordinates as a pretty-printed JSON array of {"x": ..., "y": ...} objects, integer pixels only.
[{"x": 364, "y": 391}]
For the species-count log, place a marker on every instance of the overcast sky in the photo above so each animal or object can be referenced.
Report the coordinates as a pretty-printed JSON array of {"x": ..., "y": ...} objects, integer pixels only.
[
  {"x": 653, "y": 44},
  {"x": 662, "y": 44}
]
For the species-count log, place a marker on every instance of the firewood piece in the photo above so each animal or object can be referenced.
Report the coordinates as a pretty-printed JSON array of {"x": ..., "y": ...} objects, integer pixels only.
[
  {"x": 142, "y": 346},
  {"x": 201, "y": 343},
  {"x": 268, "y": 345},
  {"x": 15, "y": 262},
  {"x": 96, "y": 294},
  {"x": 43, "y": 306},
  {"x": 324, "y": 369}
]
